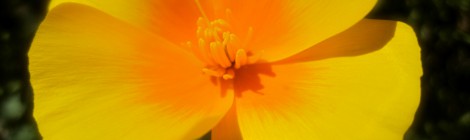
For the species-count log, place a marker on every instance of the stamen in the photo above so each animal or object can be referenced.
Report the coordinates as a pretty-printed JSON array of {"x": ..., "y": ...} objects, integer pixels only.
[
  {"x": 221, "y": 50},
  {"x": 215, "y": 55},
  {"x": 207, "y": 33},
  {"x": 215, "y": 34},
  {"x": 235, "y": 41},
  {"x": 205, "y": 52},
  {"x": 229, "y": 74},
  {"x": 228, "y": 14},
  {"x": 201, "y": 22},
  {"x": 201, "y": 10},
  {"x": 229, "y": 48},
  {"x": 230, "y": 51},
  {"x": 200, "y": 32},
  {"x": 249, "y": 36},
  {"x": 226, "y": 37},
  {"x": 213, "y": 72},
  {"x": 219, "y": 55},
  {"x": 240, "y": 58},
  {"x": 221, "y": 23}
]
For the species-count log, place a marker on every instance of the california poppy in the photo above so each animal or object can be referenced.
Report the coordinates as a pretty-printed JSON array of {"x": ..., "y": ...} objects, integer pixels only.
[{"x": 265, "y": 69}]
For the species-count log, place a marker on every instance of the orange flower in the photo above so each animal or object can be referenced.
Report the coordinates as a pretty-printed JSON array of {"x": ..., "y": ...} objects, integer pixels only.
[{"x": 257, "y": 69}]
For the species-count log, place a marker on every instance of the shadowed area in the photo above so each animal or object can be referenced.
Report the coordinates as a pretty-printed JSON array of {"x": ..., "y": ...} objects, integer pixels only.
[
  {"x": 247, "y": 78},
  {"x": 364, "y": 37}
]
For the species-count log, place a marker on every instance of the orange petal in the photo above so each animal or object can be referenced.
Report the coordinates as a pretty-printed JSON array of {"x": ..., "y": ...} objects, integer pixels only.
[
  {"x": 370, "y": 96},
  {"x": 227, "y": 128},
  {"x": 283, "y": 28},
  {"x": 365, "y": 37},
  {"x": 96, "y": 77}
]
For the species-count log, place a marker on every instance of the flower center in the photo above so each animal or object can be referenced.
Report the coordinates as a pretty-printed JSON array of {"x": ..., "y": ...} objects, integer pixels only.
[{"x": 220, "y": 49}]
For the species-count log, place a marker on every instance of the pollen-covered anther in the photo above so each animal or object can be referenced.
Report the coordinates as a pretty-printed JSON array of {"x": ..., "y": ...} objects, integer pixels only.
[
  {"x": 218, "y": 48},
  {"x": 240, "y": 58},
  {"x": 229, "y": 74},
  {"x": 218, "y": 53},
  {"x": 221, "y": 50},
  {"x": 217, "y": 72}
]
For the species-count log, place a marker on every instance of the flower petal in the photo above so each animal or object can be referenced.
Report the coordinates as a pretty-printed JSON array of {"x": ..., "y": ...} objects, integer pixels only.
[
  {"x": 283, "y": 28},
  {"x": 227, "y": 128},
  {"x": 173, "y": 20},
  {"x": 96, "y": 77},
  {"x": 370, "y": 96},
  {"x": 135, "y": 11},
  {"x": 366, "y": 36}
]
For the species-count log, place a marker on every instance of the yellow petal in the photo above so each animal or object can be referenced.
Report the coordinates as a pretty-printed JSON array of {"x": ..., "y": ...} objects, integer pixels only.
[
  {"x": 95, "y": 77},
  {"x": 366, "y": 97},
  {"x": 227, "y": 128},
  {"x": 129, "y": 11},
  {"x": 284, "y": 28},
  {"x": 173, "y": 20},
  {"x": 366, "y": 36}
]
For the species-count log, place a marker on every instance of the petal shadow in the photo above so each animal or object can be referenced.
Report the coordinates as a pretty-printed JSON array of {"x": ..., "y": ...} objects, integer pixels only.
[
  {"x": 364, "y": 37},
  {"x": 247, "y": 78}
]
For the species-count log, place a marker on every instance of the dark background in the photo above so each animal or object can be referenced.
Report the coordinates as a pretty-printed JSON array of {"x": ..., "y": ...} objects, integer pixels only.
[{"x": 442, "y": 28}]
